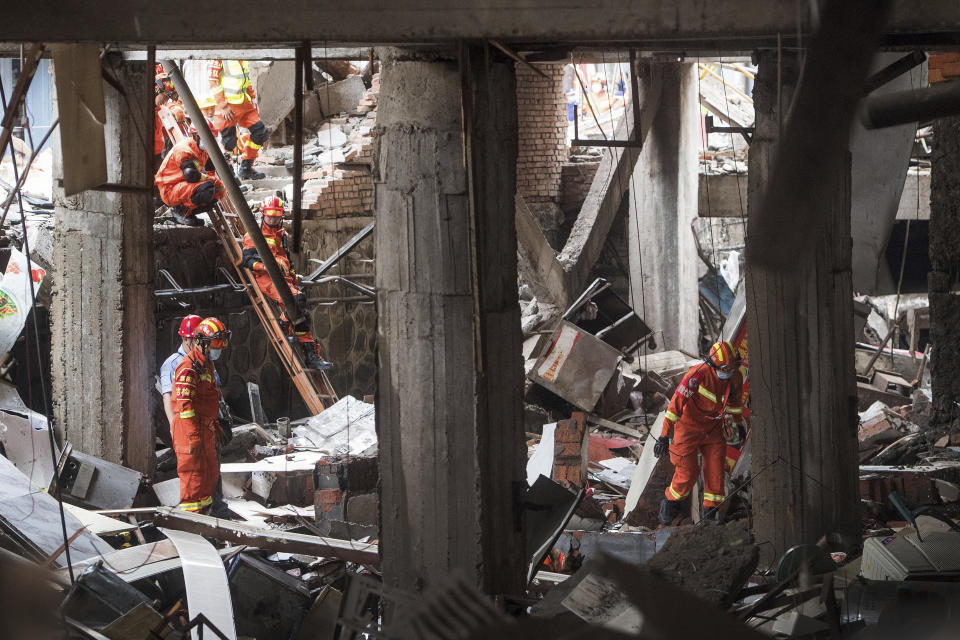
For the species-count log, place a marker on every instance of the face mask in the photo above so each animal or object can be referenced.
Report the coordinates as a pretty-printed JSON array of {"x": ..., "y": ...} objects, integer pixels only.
[
  {"x": 214, "y": 354},
  {"x": 724, "y": 375}
]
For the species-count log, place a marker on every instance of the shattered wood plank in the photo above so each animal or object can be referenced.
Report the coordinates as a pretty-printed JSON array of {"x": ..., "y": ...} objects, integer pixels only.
[
  {"x": 272, "y": 540},
  {"x": 614, "y": 426}
]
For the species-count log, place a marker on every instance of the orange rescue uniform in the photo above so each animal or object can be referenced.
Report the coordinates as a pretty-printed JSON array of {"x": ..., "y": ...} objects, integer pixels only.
[
  {"x": 196, "y": 403},
  {"x": 694, "y": 421},
  {"x": 174, "y": 187},
  {"x": 230, "y": 84},
  {"x": 159, "y": 131},
  {"x": 276, "y": 238}
]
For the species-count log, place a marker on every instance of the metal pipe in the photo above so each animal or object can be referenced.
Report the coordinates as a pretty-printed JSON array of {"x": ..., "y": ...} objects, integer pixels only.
[
  {"x": 903, "y": 107},
  {"x": 298, "y": 148},
  {"x": 232, "y": 186}
]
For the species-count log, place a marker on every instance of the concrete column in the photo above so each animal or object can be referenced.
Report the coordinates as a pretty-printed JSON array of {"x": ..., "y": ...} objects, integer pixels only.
[
  {"x": 663, "y": 203},
  {"x": 103, "y": 343},
  {"x": 449, "y": 407},
  {"x": 943, "y": 280},
  {"x": 802, "y": 377}
]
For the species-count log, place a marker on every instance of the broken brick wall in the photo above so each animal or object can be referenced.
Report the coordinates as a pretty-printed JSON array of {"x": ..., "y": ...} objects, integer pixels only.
[
  {"x": 542, "y": 132},
  {"x": 575, "y": 181},
  {"x": 542, "y": 145}
]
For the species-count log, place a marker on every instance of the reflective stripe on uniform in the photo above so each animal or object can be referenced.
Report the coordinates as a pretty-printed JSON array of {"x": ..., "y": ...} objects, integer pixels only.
[
  {"x": 671, "y": 416},
  {"x": 189, "y": 413},
  {"x": 734, "y": 410},
  {"x": 253, "y": 145},
  {"x": 235, "y": 81},
  {"x": 706, "y": 394},
  {"x": 678, "y": 496},
  {"x": 271, "y": 242},
  {"x": 206, "y": 377},
  {"x": 712, "y": 497},
  {"x": 196, "y": 506}
]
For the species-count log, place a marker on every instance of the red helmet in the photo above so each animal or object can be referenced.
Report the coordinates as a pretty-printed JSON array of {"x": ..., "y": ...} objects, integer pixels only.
[
  {"x": 724, "y": 356},
  {"x": 188, "y": 326},
  {"x": 213, "y": 332},
  {"x": 272, "y": 206}
]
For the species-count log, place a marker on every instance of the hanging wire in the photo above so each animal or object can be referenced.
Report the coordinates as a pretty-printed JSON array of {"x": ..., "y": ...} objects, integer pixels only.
[{"x": 36, "y": 340}]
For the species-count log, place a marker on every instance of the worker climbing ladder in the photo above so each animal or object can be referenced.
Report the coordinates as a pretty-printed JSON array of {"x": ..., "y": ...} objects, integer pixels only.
[{"x": 314, "y": 386}]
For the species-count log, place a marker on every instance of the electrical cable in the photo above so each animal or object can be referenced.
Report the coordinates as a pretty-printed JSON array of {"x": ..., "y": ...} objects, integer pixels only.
[{"x": 33, "y": 313}]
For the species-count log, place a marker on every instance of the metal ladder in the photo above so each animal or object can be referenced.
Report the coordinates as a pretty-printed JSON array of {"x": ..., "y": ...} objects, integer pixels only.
[{"x": 314, "y": 386}]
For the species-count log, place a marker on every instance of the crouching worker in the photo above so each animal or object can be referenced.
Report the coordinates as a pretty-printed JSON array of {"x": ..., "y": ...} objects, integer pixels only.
[
  {"x": 695, "y": 424},
  {"x": 276, "y": 237},
  {"x": 196, "y": 407},
  {"x": 187, "y": 182}
]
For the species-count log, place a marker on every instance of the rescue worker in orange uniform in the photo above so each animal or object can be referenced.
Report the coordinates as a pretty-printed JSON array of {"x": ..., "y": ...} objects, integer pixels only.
[
  {"x": 187, "y": 181},
  {"x": 695, "y": 423},
  {"x": 196, "y": 407},
  {"x": 164, "y": 96},
  {"x": 234, "y": 96},
  {"x": 276, "y": 236}
]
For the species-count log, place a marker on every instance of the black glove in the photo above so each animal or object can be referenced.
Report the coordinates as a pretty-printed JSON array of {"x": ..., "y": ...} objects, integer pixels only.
[
  {"x": 661, "y": 447},
  {"x": 226, "y": 431}
]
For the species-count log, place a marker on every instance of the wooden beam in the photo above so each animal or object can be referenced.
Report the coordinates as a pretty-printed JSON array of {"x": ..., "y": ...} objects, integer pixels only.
[{"x": 211, "y": 527}]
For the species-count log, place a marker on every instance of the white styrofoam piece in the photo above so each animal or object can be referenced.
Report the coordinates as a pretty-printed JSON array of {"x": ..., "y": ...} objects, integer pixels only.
[
  {"x": 208, "y": 591},
  {"x": 541, "y": 462}
]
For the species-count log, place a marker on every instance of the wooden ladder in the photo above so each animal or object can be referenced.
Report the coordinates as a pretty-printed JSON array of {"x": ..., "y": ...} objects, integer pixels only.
[{"x": 314, "y": 386}]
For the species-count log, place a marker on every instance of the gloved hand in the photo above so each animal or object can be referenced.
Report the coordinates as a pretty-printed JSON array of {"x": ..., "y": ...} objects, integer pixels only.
[
  {"x": 225, "y": 433},
  {"x": 228, "y": 115},
  {"x": 661, "y": 447}
]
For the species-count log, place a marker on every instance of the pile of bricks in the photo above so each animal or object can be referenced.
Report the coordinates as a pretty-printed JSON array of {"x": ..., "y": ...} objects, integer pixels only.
[
  {"x": 346, "y": 189},
  {"x": 338, "y": 190},
  {"x": 346, "y": 494},
  {"x": 542, "y": 132}
]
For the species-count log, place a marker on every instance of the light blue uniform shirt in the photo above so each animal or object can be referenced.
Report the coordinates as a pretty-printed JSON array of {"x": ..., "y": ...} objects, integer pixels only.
[{"x": 169, "y": 367}]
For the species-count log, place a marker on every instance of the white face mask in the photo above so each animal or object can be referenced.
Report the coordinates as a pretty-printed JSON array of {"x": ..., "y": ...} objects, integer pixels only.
[
  {"x": 214, "y": 354},
  {"x": 724, "y": 375}
]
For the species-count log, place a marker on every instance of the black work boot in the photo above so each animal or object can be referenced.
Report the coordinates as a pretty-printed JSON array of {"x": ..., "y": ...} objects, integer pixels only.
[
  {"x": 247, "y": 172},
  {"x": 711, "y": 516},
  {"x": 180, "y": 215},
  {"x": 668, "y": 511},
  {"x": 312, "y": 360}
]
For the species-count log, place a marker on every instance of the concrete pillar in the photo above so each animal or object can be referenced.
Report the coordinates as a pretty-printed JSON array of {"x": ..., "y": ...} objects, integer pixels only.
[
  {"x": 663, "y": 203},
  {"x": 943, "y": 280},
  {"x": 449, "y": 406},
  {"x": 802, "y": 377},
  {"x": 103, "y": 343}
]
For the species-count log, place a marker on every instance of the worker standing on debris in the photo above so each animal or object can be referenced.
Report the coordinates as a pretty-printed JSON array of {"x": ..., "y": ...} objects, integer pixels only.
[
  {"x": 187, "y": 181},
  {"x": 272, "y": 209},
  {"x": 188, "y": 340},
  {"x": 696, "y": 423},
  {"x": 196, "y": 406},
  {"x": 234, "y": 96}
]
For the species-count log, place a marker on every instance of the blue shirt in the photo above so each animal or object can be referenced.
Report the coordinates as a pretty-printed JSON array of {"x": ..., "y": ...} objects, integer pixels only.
[{"x": 169, "y": 367}]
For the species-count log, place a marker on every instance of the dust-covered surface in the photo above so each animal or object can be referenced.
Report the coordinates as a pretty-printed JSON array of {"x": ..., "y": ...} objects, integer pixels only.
[{"x": 711, "y": 562}]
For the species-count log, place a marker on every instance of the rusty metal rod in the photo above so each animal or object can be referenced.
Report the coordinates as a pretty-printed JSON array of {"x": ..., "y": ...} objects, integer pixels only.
[{"x": 232, "y": 186}]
